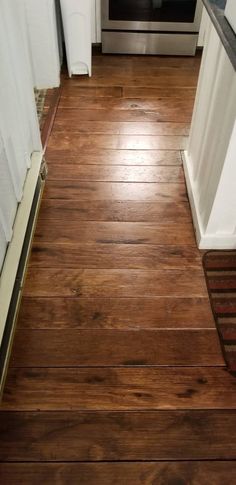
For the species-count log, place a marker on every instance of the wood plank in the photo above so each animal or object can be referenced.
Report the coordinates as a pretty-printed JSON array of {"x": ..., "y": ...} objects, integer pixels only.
[
  {"x": 57, "y": 348},
  {"x": 138, "y": 473},
  {"x": 83, "y": 255},
  {"x": 122, "y": 211},
  {"x": 111, "y": 173},
  {"x": 140, "y": 68},
  {"x": 158, "y": 92},
  {"x": 134, "y": 72},
  {"x": 160, "y": 435},
  {"x": 115, "y": 233},
  {"x": 69, "y": 89},
  {"x": 103, "y": 76},
  {"x": 118, "y": 389},
  {"x": 95, "y": 156},
  {"x": 132, "y": 65},
  {"x": 181, "y": 114},
  {"x": 129, "y": 91},
  {"x": 148, "y": 62},
  {"x": 120, "y": 313},
  {"x": 116, "y": 343},
  {"x": 110, "y": 103},
  {"x": 72, "y": 189},
  {"x": 114, "y": 283},
  {"x": 121, "y": 128},
  {"x": 121, "y": 142}
]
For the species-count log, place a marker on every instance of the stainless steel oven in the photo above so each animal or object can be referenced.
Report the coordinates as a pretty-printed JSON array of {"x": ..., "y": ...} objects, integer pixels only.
[{"x": 167, "y": 27}]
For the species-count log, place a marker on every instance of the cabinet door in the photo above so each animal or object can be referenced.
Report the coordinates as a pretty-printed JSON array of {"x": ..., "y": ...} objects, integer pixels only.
[{"x": 205, "y": 23}]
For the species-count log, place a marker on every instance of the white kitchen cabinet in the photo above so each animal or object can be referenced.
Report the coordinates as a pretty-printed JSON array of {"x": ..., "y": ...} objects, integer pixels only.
[
  {"x": 230, "y": 13},
  {"x": 203, "y": 28},
  {"x": 209, "y": 161},
  {"x": 43, "y": 42}
]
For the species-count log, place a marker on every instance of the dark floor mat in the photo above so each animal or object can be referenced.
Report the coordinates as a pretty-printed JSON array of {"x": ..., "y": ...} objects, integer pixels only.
[{"x": 220, "y": 272}]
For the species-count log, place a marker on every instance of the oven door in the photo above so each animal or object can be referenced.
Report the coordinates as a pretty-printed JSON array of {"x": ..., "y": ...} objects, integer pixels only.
[{"x": 152, "y": 15}]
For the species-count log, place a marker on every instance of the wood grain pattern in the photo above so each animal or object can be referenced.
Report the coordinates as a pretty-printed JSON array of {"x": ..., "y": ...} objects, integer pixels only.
[
  {"x": 51, "y": 282},
  {"x": 92, "y": 91},
  {"x": 134, "y": 67},
  {"x": 128, "y": 91},
  {"x": 54, "y": 348},
  {"x": 95, "y": 156},
  {"x": 72, "y": 189},
  {"x": 195, "y": 435},
  {"x": 106, "y": 173},
  {"x": 131, "y": 61},
  {"x": 158, "y": 92},
  {"x": 136, "y": 256},
  {"x": 158, "y": 78},
  {"x": 118, "y": 389},
  {"x": 123, "y": 313},
  {"x": 120, "y": 142},
  {"x": 181, "y": 113},
  {"x": 134, "y": 75},
  {"x": 198, "y": 472},
  {"x": 119, "y": 211},
  {"x": 119, "y": 128},
  {"x": 167, "y": 105},
  {"x": 117, "y": 374},
  {"x": 114, "y": 232}
]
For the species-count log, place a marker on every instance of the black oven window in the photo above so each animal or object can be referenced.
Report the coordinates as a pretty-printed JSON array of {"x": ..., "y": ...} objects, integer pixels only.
[{"x": 152, "y": 10}]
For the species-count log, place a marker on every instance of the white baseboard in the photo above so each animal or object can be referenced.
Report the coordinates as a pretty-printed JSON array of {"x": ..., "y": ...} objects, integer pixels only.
[
  {"x": 204, "y": 241},
  {"x": 218, "y": 242},
  {"x": 11, "y": 262}
]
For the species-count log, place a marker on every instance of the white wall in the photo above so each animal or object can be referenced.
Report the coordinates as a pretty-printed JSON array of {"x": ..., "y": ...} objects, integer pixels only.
[
  {"x": 224, "y": 206},
  {"x": 43, "y": 42},
  {"x": 209, "y": 163},
  {"x": 19, "y": 130}
]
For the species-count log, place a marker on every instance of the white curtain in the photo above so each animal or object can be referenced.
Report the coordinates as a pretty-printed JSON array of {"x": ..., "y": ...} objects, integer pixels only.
[{"x": 19, "y": 130}]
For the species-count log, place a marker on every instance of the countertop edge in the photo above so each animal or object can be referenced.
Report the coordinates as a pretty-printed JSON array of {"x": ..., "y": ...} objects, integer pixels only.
[{"x": 225, "y": 32}]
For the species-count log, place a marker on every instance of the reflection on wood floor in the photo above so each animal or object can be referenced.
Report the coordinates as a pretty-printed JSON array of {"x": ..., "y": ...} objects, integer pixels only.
[{"x": 117, "y": 375}]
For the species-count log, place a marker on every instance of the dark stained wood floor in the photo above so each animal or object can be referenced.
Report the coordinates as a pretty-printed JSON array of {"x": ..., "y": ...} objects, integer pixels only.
[{"x": 117, "y": 375}]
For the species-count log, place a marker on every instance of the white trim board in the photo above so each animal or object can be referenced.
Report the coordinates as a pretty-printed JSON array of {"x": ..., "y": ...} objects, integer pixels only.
[
  {"x": 10, "y": 266},
  {"x": 204, "y": 241}
]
